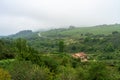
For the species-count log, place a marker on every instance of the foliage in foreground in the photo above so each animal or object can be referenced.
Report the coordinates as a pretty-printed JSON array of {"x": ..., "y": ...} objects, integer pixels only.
[
  {"x": 31, "y": 65},
  {"x": 4, "y": 75},
  {"x": 67, "y": 69}
]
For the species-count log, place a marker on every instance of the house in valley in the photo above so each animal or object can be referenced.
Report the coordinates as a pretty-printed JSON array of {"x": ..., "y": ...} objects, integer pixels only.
[{"x": 82, "y": 56}]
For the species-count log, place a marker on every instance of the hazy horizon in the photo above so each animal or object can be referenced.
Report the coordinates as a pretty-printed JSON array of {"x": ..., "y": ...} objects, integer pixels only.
[{"x": 17, "y": 15}]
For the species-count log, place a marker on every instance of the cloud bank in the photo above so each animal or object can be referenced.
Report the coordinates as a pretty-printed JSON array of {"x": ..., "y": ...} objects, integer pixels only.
[{"x": 16, "y": 15}]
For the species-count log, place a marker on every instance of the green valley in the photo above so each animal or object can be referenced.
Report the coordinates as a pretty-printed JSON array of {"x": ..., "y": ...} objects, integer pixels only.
[{"x": 48, "y": 55}]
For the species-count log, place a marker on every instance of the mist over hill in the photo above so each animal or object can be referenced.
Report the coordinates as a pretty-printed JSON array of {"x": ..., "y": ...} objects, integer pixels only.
[
  {"x": 71, "y": 31},
  {"x": 59, "y": 39},
  {"x": 53, "y": 49}
]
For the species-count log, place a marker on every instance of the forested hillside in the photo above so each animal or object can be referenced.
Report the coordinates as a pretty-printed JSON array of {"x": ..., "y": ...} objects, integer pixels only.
[
  {"x": 78, "y": 31},
  {"x": 47, "y": 55}
]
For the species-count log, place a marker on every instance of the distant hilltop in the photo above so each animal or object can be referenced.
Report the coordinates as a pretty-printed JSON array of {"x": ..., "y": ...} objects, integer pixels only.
[
  {"x": 22, "y": 34},
  {"x": 72, "y": 31}
]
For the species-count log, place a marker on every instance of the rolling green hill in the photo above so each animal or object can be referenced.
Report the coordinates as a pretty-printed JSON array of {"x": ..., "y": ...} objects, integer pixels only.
[
  {"x": 73, "y": 32},
  {"x": 27, "y": 34},
  {"x": 101, "y": 29}
]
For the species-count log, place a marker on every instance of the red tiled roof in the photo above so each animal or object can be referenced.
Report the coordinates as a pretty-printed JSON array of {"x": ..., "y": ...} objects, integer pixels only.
[{"x": 78, "y": 55}]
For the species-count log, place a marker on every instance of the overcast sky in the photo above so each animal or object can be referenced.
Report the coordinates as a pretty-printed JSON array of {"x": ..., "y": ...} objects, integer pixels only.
[{"x": 16, "y": 15}]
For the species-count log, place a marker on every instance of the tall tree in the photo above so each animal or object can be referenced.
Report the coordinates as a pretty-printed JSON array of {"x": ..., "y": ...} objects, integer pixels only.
[
  {"x": 22, "y": 48},
  {"x": 21, "y": 45},
  {"x": 61, "y": 46}
]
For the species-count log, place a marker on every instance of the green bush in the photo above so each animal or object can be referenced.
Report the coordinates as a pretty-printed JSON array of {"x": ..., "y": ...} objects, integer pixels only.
[
  {"x": 24, "y": 70},
  {"x": 4, "y": 75},
  {"x": 66, "y": 73},
  {"x": 82, "y": 74},
  {"x": 98, "y": 71}
]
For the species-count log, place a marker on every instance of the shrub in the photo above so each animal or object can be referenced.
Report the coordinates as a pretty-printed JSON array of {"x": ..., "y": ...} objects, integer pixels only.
[
  {"x": 24, "y": 70},
  {"x": 66, "y": 73},
  {"x": 98, "y": 71},
  {"x": 4, "y": 75},
  {"x": 82, "y": 74},
  {"x": 40, "y": 73}
]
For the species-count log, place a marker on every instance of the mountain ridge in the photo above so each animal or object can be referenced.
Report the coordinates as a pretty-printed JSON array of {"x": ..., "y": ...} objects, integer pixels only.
[{"x": 67, "y": 32}]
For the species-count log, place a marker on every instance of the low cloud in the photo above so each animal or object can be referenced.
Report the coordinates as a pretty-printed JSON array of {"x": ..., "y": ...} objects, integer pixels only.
[{"x": 18, "y": 15}]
